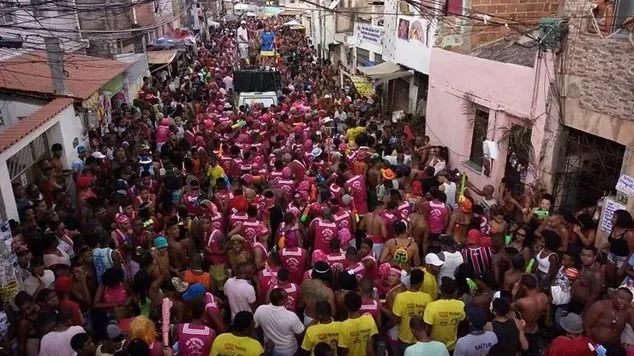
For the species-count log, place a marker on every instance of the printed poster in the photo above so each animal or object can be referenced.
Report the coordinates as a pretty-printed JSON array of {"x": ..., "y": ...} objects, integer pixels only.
[{"x": 610, "y": 206}]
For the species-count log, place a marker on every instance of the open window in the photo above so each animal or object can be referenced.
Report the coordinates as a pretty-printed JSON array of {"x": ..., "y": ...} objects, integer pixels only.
[{"x": 480, "y": 127}]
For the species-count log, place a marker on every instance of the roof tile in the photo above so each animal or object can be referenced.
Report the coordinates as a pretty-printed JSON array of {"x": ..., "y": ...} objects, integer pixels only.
[
  {"x": 29, "y": 72},
  {"x": 15, "y": 133}
]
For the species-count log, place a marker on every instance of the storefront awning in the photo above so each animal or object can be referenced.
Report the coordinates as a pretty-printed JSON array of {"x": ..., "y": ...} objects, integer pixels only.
[
  {"x": 385, "y": 71},
  {"x": 161, "y": 57},
  {"x": 290, "y": 13}
]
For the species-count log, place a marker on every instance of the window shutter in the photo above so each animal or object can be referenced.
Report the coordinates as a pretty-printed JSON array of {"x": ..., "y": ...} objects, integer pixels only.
[{"x": 454, "y": 7}]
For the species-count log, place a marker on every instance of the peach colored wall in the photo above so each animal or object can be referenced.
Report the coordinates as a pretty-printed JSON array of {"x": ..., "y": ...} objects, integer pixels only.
[{"x": 512, "y": 93}]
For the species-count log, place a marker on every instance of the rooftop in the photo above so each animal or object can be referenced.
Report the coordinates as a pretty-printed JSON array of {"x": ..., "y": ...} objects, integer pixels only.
[
  {"x": 15, "y": 133},
  {"x": 29, "y": 72},
  {"x": 520, "y": 50}
]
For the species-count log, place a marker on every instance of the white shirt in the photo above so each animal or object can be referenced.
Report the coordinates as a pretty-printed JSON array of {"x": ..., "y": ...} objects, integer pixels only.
[
  {"x": 240, "y": 295},
  {"x": 228, "y": 81},
  {"x": 31, "y": 282},
  {"x": 243, "y": 34},
  {"x": 280, "y": 326},
  {"x": 57, "y": 343},
  {"x": 452, "y": 261},
  {"x": 450, "y": 192}
]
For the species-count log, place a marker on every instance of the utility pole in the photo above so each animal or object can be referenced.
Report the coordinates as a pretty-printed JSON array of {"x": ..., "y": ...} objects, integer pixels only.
[
  {"x": 205, "y": 36},
  {"x": 56, "y": 65}
]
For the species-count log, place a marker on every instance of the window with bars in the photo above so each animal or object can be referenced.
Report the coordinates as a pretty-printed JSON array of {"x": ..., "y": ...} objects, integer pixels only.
[
  {"x": 480, "y": 127},
  {"x": 28, "y": 156},
  {"x": 7, "y": 13}
]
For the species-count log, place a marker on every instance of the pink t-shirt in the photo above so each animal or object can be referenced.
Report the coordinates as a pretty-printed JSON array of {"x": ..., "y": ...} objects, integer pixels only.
[{"x": 240, "y": 295}]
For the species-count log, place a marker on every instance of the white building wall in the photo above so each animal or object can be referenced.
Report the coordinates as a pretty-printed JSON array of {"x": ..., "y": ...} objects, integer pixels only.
[
  {"x": 63, "y": 128},
  {"x": 133, "y": 76},
  {"x": 12, "y": 109},
  {"x": 51, "y": 22}
]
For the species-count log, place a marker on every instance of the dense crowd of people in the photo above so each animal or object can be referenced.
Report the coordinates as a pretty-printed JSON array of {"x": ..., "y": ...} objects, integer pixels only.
[{"x": 316, "y": 226}]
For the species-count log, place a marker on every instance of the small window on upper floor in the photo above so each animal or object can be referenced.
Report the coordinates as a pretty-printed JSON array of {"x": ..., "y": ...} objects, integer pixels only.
[
  {"x": 37, "y": 8},
  {"x": 7, "y": 13},
  {"x": 453, "y": 7},
  {"x": 480, "y": 128}
]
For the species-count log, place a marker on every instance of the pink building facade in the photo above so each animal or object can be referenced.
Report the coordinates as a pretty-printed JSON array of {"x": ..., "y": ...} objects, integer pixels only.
[{"x": 501, "y": 100}]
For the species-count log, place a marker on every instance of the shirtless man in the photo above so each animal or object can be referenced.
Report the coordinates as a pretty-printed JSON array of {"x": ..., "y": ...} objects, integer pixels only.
[
  {"x": 316, "y": 290},
  {"x": 373, "y": 179},
  {"x": 419, "y": 230},
  {"x": 459, "y": 222},
  {"x": 605, "y": 320},
  {"x": 178, "y": 248},
  {"x": 513, "y": 275},
  {"x": 557, "y": 224},
  {"x": 401, "y": 250},
  {"x": 237, "y": 253},
  {"x": 530, "y": 303},
  {"x": 587, "y": 288},
  {"x": 375, "y": 227},
  {"x": 161, "y": 259}
]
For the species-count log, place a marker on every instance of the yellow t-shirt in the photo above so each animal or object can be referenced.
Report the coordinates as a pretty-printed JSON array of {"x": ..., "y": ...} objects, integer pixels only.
[
  {"x": 351, "y": 133},
  {"x": 328, "y": 333},
  {"x": 214, "y": 173},
  {"x": 228, "y": 344},
  {"x": 430, "y": 285},
  {"x": 354, "y": 334},
  {"x": 444, "y": 315},
  {"x": 406, "y": 305}
]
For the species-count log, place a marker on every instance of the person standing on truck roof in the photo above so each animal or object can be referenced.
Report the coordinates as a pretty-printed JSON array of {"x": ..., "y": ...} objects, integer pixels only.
[
  {"x": 243, "y": 41},
  {"x": 267, "y": 47}
]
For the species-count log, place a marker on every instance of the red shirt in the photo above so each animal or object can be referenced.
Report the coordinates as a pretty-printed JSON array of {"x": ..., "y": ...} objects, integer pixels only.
[
  {"x": 565, "y": 346},
  {"x": 78, "y": 319}
]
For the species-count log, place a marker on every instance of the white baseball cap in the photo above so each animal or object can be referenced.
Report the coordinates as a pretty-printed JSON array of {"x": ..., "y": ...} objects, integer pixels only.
[
  {"x": 434, "y": 260},
  {"x": 98, "y": 155}
]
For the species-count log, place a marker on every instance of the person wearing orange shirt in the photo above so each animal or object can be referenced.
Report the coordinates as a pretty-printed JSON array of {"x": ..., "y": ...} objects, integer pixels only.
[{"x": 195, "y": 273}]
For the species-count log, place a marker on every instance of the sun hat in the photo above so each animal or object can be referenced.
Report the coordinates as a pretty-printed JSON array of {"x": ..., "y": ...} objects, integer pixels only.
[{"x": 572, "y": 323}]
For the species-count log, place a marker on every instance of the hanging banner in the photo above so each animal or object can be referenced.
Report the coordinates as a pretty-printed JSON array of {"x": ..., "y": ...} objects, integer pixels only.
[
  {"x": 363, "y": 85},
  {"x": 9, "y": 286},
  {"x": 625, "y": 185}
]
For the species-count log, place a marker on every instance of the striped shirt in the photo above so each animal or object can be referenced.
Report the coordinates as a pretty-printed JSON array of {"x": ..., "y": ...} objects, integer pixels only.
[{"x": 479, "y": 258}]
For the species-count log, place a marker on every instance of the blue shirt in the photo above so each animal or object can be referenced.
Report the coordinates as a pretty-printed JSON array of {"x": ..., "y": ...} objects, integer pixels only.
[
  {"x": 78, "y": 165},
  {"x": 267, "y": 40}
]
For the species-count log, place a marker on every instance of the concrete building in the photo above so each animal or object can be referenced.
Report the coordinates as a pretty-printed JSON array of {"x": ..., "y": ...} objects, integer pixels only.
[
  {"x": 125, "y": 26},
  {"x": 494, "y": 101},
  {"x": 34, "y": 116},
  {"x": 591, "y": 117},
  {"x": 31, "y": 21},
  {"x": 411, "y": 32}
]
